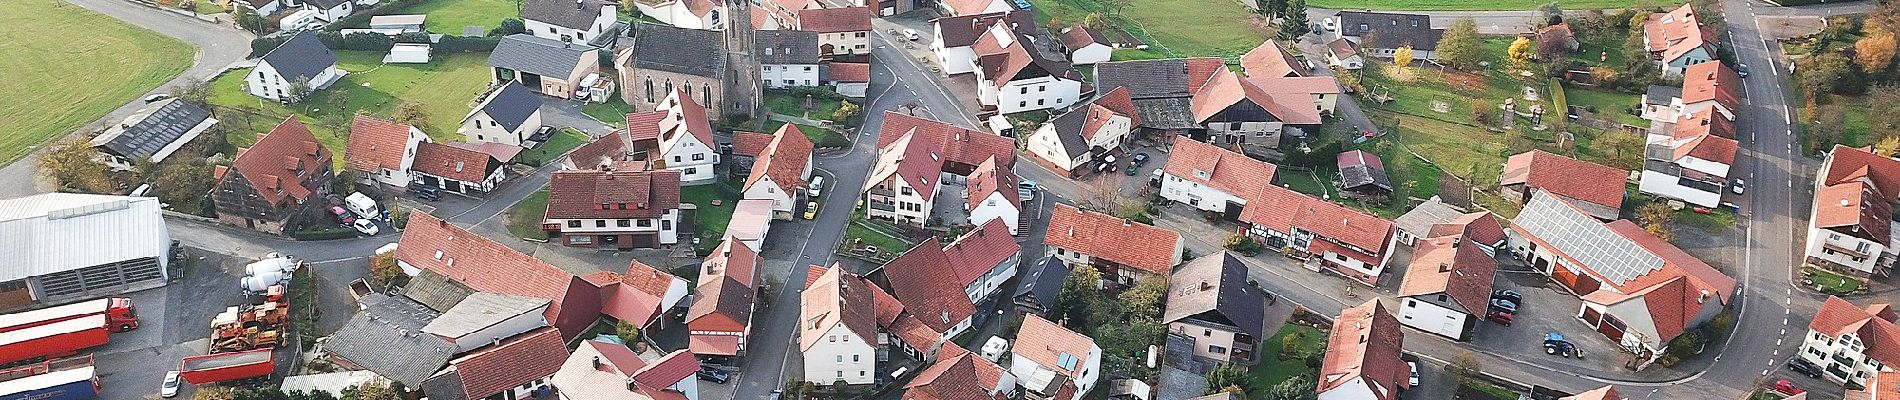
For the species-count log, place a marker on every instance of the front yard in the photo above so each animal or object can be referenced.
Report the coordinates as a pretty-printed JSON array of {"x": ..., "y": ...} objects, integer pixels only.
[
  {"x": 563, "y": 140},
  {"x": 1280, "y": 363},
  {"x": 524, "y": 219},
  {"x": 67, "y": 67},
  {"x": 450, "y": 16},
  {"x": 1178, "y": 28},
  {"x": 710, "y": 221}
]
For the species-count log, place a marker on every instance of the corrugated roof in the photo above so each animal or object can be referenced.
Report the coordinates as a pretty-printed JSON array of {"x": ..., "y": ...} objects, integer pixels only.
[
  {"x": 481, "y": 310},
  {"x": 40, "y": 230}
]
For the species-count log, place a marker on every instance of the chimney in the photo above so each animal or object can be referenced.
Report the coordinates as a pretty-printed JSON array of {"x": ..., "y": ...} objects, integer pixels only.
[
  {"x": 1072, "y": 229},
  {"x": 1444, "y": 267},
  {"x": 578, "y": 5},
  {"x": 1703, "y": 297},
  {"x": 631, "y": 385},
  {"x": 496, "y": 342},
  {"x": 1206, "y": 286},
  {"x": 596, "y": 363},
  {"x": 1128, "y": 222},
  {"x": 1843, "y": 202}
]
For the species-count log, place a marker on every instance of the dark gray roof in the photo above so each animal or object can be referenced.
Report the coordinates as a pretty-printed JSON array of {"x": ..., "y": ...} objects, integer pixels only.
[
  {"x": 1354, "y": 176},
  {"x": 1068, "y": 127},
  {"x": 303, "y": 56},
  {"x": 679, "y": 50},
  {"x": 151, "y": 129},
  {"x": 436, "y": 291},
  {"x": 447, "y": 386},
  {"x": 387, "y": 338},
  {"x": 1145, "y": 79},
  {"x": 783, "y": 47},
  {"x": 574, "y": 14},
  {"x": 1213, "y": 289},
  {"x": 1166, "y": 113},
  {"x": 512, "y": 105},
  {"x": 325, "y": 4},
  {"x": 1043, "y": 283},
  {"x": 1394, "y": 29},
  {"x": 539, "y": 56},
  {"x": 1661, "y": 95}
]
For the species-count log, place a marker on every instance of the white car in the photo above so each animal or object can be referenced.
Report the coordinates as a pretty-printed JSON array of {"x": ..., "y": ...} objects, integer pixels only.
[
  {"x": 1737, "y": 186},
  {"x": 171, "y": 385},
  {"x": 911, "y": 35},
  {"x": 1414, "y": 365},
  {"x": 817, "y": 186},
  {"x": 366, "y": 226}
]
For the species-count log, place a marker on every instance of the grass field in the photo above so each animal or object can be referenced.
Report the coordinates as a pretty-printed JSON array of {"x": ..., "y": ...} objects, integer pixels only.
[
  {"x": 710, "y": 223},
  {"x": 442, "y": 89},
  {"x": 1272, "y": 369},
  {"x": 1459, "y": 5},
  {"x": 524, "y": 219},
  {"x": 57, "y": 79},
  {"x": 1179, "y": 28},
  {"x": 1614, "y": 106},
  {"x": 449, "y": 16},
  {"x": 563, "y": 140},
  {"x": 613, "y": 112}
]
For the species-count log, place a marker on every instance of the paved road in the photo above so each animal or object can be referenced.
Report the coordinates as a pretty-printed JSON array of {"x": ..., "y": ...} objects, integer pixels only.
[
  {"x": 218, "y": 47},
  {"x": 1521, "y": 21}
]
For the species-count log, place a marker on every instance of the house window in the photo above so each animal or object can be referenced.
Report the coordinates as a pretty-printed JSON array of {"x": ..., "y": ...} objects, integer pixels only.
[
  {"x": 1022, "y": 104},
  {"x": 833, "y": 338},
  {"x": 905, "y": 191},
  {"x": 854, "y": 358},
  {"x": 1039, "y": 101},
  {"x": 666, "y": 225},
  {"x": 645, "y": 223},
  {"x": 705, "y": 94},
  {"x": 1042, "y": 88},
  {"x": 1216, "y": 349},
  {"x": 574, "y": 223},
  {"x": 699, "y": 156},
  {"x": 840, "y": 359},
  {"x": 676, "y": 159},
  {"x": 649, "y": 89},
  {"x": 692, "y": 171},
  {"x": 1207, "y": 332},
  {"x": 600, "y": 223},
  {"x": 841, "y": 374},
  {"x": 1411, "y": 303},
  {"x": 1025, "y": 91},
  {"x": 622, "y": 223},
  {"x": 551, "y": 29},
  {"x": 808, "y": 68}
]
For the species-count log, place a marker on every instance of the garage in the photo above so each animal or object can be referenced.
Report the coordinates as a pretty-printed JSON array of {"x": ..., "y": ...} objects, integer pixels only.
[{"x": 77, "y": 246}]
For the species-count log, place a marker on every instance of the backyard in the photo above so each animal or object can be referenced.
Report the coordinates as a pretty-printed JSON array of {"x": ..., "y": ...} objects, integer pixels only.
[
  {"x": 1278, "y": 365},
  {"x": 709, "y": 222},
  {"x": 1179, "y": 28},
  {"x": 450, "y": 16},
  {"x": 563, "y": 140},
  {"x": 442, "y": 90},
  {"x": 57, "y": 80},
  {"x": 524, "y": 219}
]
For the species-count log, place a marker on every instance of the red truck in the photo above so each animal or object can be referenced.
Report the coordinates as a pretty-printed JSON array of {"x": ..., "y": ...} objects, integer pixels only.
[
  {"x": 118, "y": 311},
  {"x": 204, "y": 369},
  {"x": 56, "y": 339},
  {"x": 67, "y": 379}
]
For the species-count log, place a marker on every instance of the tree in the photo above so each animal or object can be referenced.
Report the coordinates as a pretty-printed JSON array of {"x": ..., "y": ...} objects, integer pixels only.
[
  {"x": 1095, "y": 20},
  {"x": 1884, "y": 100},
  {"x": 1115, "y": 7},
  {"x": 1626, "y": 148},
  {"x": 1464, "y": 367},
  {"x": 1875, "y": 51},
  {"x": 1827, "y": 127},
  {"x": 410, "y": 113},
  {"x": 70, "y": 165},
  {"x": 1295, "y": 23},
  {"x": 1460, "y": 46},
  {"x": 374, "y": 390},
  {"x": 1402, "y": 57},
  {"x": 195, "y": 91},
  {"x": 1655, "y": 212},
  {"x": 1145, "y": 298},
  {"x": 846, "y": 110},
  {"x": 1552, "y": 14},
  {"x": 1519, "y": 52},
  {"x": 1888, "y": 146},
  {"x": 1826, "y": 74},
  {"x": 1225, "y": 375},
  {"x": 1077, "y": 297},
  {"x": 627, "y": 331},
  {"x": 1274, "y": 8},
  {"x": 298, "y": 89},
  {"x": 383, "y": 269},
  {"x": 1290, "y": 345},
  {"x": 181, "y": 182},
  {"x": 250, "y": 21},
  {"x": 1299, "y": 387},
  {"x": 512, "y": 26}
]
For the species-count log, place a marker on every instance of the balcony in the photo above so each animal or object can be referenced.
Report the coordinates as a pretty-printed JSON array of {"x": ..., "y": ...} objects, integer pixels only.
[
  {"x": 881, "y": 192},
  {"x": 886, "y": 207}
]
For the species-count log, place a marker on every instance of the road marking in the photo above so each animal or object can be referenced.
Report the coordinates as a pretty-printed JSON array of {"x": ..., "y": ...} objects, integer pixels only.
[{"x": 1785, "y": 116}]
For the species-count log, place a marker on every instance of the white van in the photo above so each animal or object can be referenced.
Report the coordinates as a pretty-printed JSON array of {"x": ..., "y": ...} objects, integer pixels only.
[
  {"x": 817, "y": 185},
  {"x": 362, "y": 206}
]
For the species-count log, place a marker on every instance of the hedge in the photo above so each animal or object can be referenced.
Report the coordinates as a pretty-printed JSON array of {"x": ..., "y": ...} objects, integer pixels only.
[{"x": 324, "y": 234}]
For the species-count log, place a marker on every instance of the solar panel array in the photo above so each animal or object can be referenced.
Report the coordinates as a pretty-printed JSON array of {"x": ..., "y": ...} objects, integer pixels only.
[
  {"x": 166, "y": 124},
  {"x": 1587, "y": 240}
]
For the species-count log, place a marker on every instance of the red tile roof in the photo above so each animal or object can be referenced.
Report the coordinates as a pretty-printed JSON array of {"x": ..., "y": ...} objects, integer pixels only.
[
  {"x": 912, "y": 161},
  {"x": 454, "y": 162},
  {"x": 989, "y": 180},
  {"x": 1482, "y": 227},
  {"x": 1881, "y": 386},
  {"x": 1355, "y": 158},
  {"x": 1282, "y": 209},
  {"x": 720, "y": 304},
  {"x": 1602, "y": 393},
  {"x": 1673, "y": 293},
  {"x": 1044, "y": 342},
  {"x": 1079, "y": 37},
  {"x": 783, "y": 160},
  {"x": 1453, "y": 266},
  {"x": 484, "y": 265},
  {"x": 375, "y": 143},
  {"x": 750, "y": 144},
  {"x": 1683, "y": 32},
  {"x": 644, "y": 125},
  {"x": 1709, "y": 147},
  {"x": 916, "y": 279},
  {"x": 1875, "y": 330},
  {"x": 1218, "y": 168},
  {"x": 954, "y": 143},
  {"x": 731, "y": 259},
  {"x": 976, "y": 253},
  {"x": 518, "y": 360},
  {"x": 647, "y": 279},
  {"x": 622, "y": 194},
  {"x": 849, "y": 72},
  {"x": 1711, "y": 81},
  {"x": 835, "y": 20},
  {"x": 280, "y": 159},
  {"x": 1002, "y": 63},
  {"x": 1118, "y": 101},
  {"x": 1289, "y": 104},
  {"x": 1365, "y": 343},
  {"x": 1107, "y": 237},
  {"x": 967, "y": 7},
  {"x": 1269, "y": 59},
  {"x": 603, "y": 151},
  {"x": 1703, "y": 123},
  {"x": 963, "y": 376},
  {"x": 912, "y": 331},
  {"x": 888, "y": 308},
  {"x": 837, "y": 297},
  {"x": 1591, "y": 182},
  {"x": 685, "y": 117},
  {"x": 713, "y": 345},
  {"x": 668, "y": 370}
]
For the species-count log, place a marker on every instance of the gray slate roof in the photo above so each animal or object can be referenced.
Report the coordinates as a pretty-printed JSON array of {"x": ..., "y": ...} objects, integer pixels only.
[
  {"x": 539, "y": 56},
  {"x": 1661, "y": 95},
  {"x": 387, "y": 338},
  {"x": 512, "y": 105},
  {"x": 1043, "y": 283},
  {"x": 1145, "y": 79},
  {"x": 303, "y": 56},
  {"x": 436, "y": 291},
  {"x": 1166, "y": 113},
  {"x": 1418, "y": 222},
  {"x": 1213, "y": 289},
  {"x": 1394, "y": 29},
  {"x": 785, "y": 47},
  {"x": 1069, "y": 130},
  {"x": 325, "y": 4},
  {"x": 481, "y": 310},
  {"x": 573, "y": 14},
  {"x": 679, "y": 50},
  {"x": 151, "y": 129}
]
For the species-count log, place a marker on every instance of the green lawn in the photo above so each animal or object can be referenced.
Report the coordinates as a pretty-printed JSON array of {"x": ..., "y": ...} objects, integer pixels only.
[
  {"x": 710, "y": 221},
  {"x": 1615, "y": 106},
  {"x": 1830, "y": 282},
  {"x": 524, "y": 219},
  {"x": 1180, "y": 28},
  {"x": 788, "y": 103},
  {"x": 613, "y": 112},
  {"x": 1273, "y": 369},
  {"x": 563, "y": 140},
  {"x": 59, "y": 76},
  {"x": 442, "y": 89},
  {"x": 449, "y": 16},
  {"x": 862, "y": 231},
  {"x": 1452, "y": 5}
]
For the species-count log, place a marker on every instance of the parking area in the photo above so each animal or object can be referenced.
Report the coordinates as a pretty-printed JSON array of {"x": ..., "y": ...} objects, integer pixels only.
[
  {"x": 174, "y": 322},
  {"x": 1547, "y": 309}
]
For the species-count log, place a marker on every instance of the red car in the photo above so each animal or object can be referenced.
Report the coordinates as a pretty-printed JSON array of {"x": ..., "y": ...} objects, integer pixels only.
[
  {"x": 1787, "y": 387},
  {"x": 342, "y": 216},
  {"x": 1499, "y": 317}
]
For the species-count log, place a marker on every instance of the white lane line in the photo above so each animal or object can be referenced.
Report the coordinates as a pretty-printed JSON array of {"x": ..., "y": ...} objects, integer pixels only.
[{"x": 1785, "y": 116}]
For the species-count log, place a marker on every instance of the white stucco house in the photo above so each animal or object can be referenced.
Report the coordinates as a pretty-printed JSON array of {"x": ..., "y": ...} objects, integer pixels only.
[
  {"x": 991, "y": 196},
  {"x": 1014, "y": 77},
  {"x": 1047, "y": 357},
  {"x": 1850, "y": 230},
  {"x": 838, "y": 329},
  {"x": 382, "y": 151},
  {"x": 1073, "y": 141},
  {"x": 1850, "y": 343},
  {"x": 1086, "y": 46},
  {"x": 788, "y": 59},
  {"x": 151, "y": 134},
  {"x": 1691, "y": 162},
  {"x": 578, "y": 22},
  {"x": 303, "y": 58},
  {"x": 1211, "y": 178},
  {"x": 511, "y": 115},
  {"x": 781, "y": 171},
  {"x": 331, "y": 10},
  {"x": 686, "y": 139}
]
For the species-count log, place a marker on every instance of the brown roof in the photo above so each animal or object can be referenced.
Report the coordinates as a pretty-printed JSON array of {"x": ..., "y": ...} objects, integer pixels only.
[
  {"x": 1454, "y": 266},
  {"x": 1270, "y": 60},
  {"x": 1673, "y": 293},
  {"x": 750, "y": 144},
  {"x": 454, "y": 162},
  {"x": 835, "y": 20},
  {"x": 1874, "y": 325},
  {"x": 1682, "y": 33},
  {"x": 979, "y": 251},
  {"x": 516, "y": 361},
  {"x": 783, "y": 160},
  {"x": 917, "y": 279},
  {"x": 722, "y": 297},
  {"x": 375, "y": 143},
  {"x": 1591, "y": 182},
  {"x": 1114, "y": 239},
  {"x": 602, "y": 151},
  {"x": 837, "y": 297},
  {"x": 963, "y": 30},
  {"x": 1003, "y": 63},
  {"x": 688, "y": 117},
  {"x": 837, "y": 71},
  {"x": 1881, "y": 386},
  {"x": 1118, "y": 101},
  {"x": 1226, "y": 89},
  {"x": 481, "y": 264},
  {"x": 1079, "y": 37},
  {"x": 1482, "y": 227},
  {"x": 1365, "y": 343},
  {"x": 963, "y": 376},
  {"x": 644, "y": 125},
  {"x": 280, "y": 159},
  {"x": 1860, "y": 207},
  {"x": 622, "y": 194},
  {"x": 1282, "y": 209},
  {"x": 1709, "y": 147},
  {"x": 1044, "y": 342},
  {"x": 1704, "y": 123},
  {"x": 952, "y": 143},
  {"x": 1218, "y": 168},
  {"x": 1602, "y": 393},
  {"x": 966, "y": 7},
  {"x": 988, "y": 180},
  {"x": 732, "y": 259},
  {"x": 647, "y": 279},
  {"x": 1711, "y": 81}
]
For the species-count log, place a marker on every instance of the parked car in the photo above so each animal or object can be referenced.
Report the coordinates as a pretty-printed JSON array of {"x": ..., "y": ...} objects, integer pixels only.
[
  {"x": 1736, "y": 186},
  {"x": 1132, "y": 168},
  {"x": 1499, "y": 317},
  {"x": 170, "y": 387},
  {"x": 365, "y": 226},
  {"x": 1507, "y": 294},
  {"x": 425, "y": 192},
  {"x": 1504, "y": 305},
  {"x": 1741, "y": 70},
  {"x": 1414, "y": 366},
  {"x": 1787, "y": 387},
  {"x": 1026, "y": 190},
  {"x": 817, "y": 186},
  {"x": 811, "y": 210},
  {"x": 911, "y": 35},
  {"x": 154, "y": 99},
  {"x": 1803, "y": 367},
  {"x": 342, "y": 216},
  {"x": 714, "y": 375},
  {"x": 1139, "y": 159}
]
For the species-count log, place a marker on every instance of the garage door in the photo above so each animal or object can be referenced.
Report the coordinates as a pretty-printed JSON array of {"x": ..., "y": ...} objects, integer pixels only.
[{"x": 100, "y": 277}]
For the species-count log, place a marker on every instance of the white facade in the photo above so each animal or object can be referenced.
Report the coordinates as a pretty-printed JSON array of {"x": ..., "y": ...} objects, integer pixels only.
[
  {"x": 1845, "y": 354},
  {"x": 271, "y": 7},
  {"x": 503, "y": 329},
  {"x": 1091, "y": 54},
  {"x": 954, "y": 60},
  {"x": 442, "y": 182},
  {"x": 676, "y": 13},
  {"x": 996, "y": 206},
  {"x": 993, "y": 6},
  {"x": 666, "y": 227},
  {"x": 1822, "y": 244},
  {"x": 1355, "y": 389},
  {"x": 779, "y": 76},
  {"x": 846, "y": 43},
  {"x": 907, "y": 206},
  {"x": 1350, "y": 62},
  {"x": 694, "y": 160},
  {"x": 1205, "y": 198},
  {"x": 342, "y": 9},
  {"x": 1046, "y": 143},
  {"x": 1424, "y": 314},
  {"x": 479, "y": 127},
  {"x": 1665, "y": 185},
  {"x": 1039, "y": 93},
  {"x": 841, "y": 356},
  {"x": 400, "y": 177},
  {"x": 264, "y": 81},
  {"x": 574, "y": 36},
  {"x": 1091, "y": 368}
]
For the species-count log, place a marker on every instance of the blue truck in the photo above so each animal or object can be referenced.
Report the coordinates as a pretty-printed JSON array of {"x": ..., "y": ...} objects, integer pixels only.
[{"x": 76, "y": 383}]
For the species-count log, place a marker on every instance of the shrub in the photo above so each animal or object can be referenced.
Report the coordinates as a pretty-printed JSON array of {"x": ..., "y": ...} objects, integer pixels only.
[
  {"x": 1242, "y": 244},
  {"x": 465, "y": 44},
  {"x": 509, "y": 26},
  {"x": 331, "y": 233}
]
